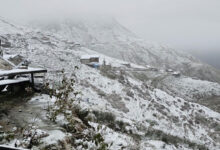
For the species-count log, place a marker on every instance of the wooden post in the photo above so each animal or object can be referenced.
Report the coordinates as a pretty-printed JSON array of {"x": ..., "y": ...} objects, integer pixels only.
[
  {"x": 1, "y": 51},
  {"x": 32, "y": 79}
]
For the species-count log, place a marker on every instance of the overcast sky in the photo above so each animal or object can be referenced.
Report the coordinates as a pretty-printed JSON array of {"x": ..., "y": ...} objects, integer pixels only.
[{"x": 182, "y": 24}]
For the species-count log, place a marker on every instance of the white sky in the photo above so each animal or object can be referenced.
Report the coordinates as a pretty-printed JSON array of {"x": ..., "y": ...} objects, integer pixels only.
[{"x": 182, "y": 24}]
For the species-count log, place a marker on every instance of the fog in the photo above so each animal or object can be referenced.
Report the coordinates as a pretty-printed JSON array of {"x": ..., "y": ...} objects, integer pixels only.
[{"x": 188, "y": 25}]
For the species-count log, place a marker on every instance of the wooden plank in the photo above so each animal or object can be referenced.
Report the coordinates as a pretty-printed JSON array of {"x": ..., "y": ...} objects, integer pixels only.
[
  {"x": 21, "y": 71},
  {"x": 6, "y": 147},
  {"x": 13, "y": 81}
]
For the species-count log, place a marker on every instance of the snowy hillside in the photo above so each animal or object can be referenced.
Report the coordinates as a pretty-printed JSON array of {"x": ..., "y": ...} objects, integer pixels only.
[
  {"x": 144, "y": 113},
  {"x": 8, "y": 28},
  {"x": 107, "y": 36}
]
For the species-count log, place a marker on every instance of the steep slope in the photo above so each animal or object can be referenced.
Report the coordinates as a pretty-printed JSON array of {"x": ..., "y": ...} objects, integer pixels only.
[
  {"x": 107, "y": 36},
  {"x": 8, "y": 28},
  {"x": 146, "y": 117}
]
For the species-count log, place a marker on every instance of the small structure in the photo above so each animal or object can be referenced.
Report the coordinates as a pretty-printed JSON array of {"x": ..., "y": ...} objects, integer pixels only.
[
  {"x": 90, "y": 60},
  {"x": 169, "y": 70},
  {"x": 176, "y": 74},
  {"x": 148, "y": 66},
  {"x": 77, "y": 45},
  {"x": 94, "y": 65},
  {"x": 127, "y": 65},
  {"x": 4, "y": 43},
  {"x": 153, "y": 69},
  {"x": 85, "y": 59}
]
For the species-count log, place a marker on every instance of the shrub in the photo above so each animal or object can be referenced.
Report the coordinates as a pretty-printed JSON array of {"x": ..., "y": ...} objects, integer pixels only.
[
  {"x": 104, "y": 116},
  {"x": 65, "y": 96}
]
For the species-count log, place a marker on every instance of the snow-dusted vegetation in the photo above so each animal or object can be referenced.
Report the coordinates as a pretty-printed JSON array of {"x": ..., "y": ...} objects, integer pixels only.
[{"x": 129, "y": 103}]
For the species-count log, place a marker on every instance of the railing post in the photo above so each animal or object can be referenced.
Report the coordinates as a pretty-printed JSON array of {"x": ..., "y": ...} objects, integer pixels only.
[
  {"x": 32, "y": 79},
  {"x": 1, "y": 51}
]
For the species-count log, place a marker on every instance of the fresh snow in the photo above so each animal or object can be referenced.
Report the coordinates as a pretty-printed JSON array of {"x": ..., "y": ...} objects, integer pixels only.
[
  {"x": 13, "y": 81},
  {"x": 136, "y": 102}
]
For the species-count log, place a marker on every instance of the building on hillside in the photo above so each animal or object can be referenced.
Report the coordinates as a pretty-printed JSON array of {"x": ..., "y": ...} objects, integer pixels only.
[
  {"x": 90, "y": 60},
  {"x": 176, "y": 74},
  {"x": 4, "y": 42},
  {"x": 127, "y": 65},
  {"x": 169, "y": 70},
  {"x": 153, "y": 69}
]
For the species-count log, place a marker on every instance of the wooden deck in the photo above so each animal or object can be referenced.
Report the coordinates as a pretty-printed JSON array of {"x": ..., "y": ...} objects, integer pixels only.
[
  {"x": 13, "y": 81},
  {"x": 16, "y": 73},
  {"x": 21, "y": 71}
]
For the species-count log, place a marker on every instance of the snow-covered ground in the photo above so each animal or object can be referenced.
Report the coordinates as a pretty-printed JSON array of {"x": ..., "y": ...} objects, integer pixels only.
[
  {"x": 191, "y": 89},
  {"x": 146, "y": 117},
  {"x": 105, "y": 35}
]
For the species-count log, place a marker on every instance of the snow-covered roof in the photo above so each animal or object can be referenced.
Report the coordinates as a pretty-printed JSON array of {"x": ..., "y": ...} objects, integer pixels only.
[
  {"x": 176, "y": 73},
  {"x": 89, "y": 56},
  {"x": 9, "y": 56}
]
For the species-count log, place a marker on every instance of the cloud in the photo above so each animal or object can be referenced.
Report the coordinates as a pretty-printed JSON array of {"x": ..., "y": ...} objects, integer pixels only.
[{"x": 183, "y": 24}]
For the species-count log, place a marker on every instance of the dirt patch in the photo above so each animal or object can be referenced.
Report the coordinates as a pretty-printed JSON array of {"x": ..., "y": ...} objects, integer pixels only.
[{"x": 10, "y": 103}]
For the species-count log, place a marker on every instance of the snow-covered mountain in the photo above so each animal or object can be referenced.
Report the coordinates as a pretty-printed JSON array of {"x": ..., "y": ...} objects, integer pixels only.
[
  {"x": 105, "y": 35},
  {"x": 152, "y": 109}
]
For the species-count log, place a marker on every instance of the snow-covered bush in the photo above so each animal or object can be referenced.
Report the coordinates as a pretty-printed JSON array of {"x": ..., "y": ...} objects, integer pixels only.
[
  {"x": 65, "y": 96},
  {"x": 77, "y": 122}
]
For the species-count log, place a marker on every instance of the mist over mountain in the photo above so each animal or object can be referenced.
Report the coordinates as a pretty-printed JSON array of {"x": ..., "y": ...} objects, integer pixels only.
[
  {"x": 85, "y": 75},
  {"x": 133, "y": 100},
  {"x": 210, "y": 57},
  {"x": 106, "y": 35}
]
